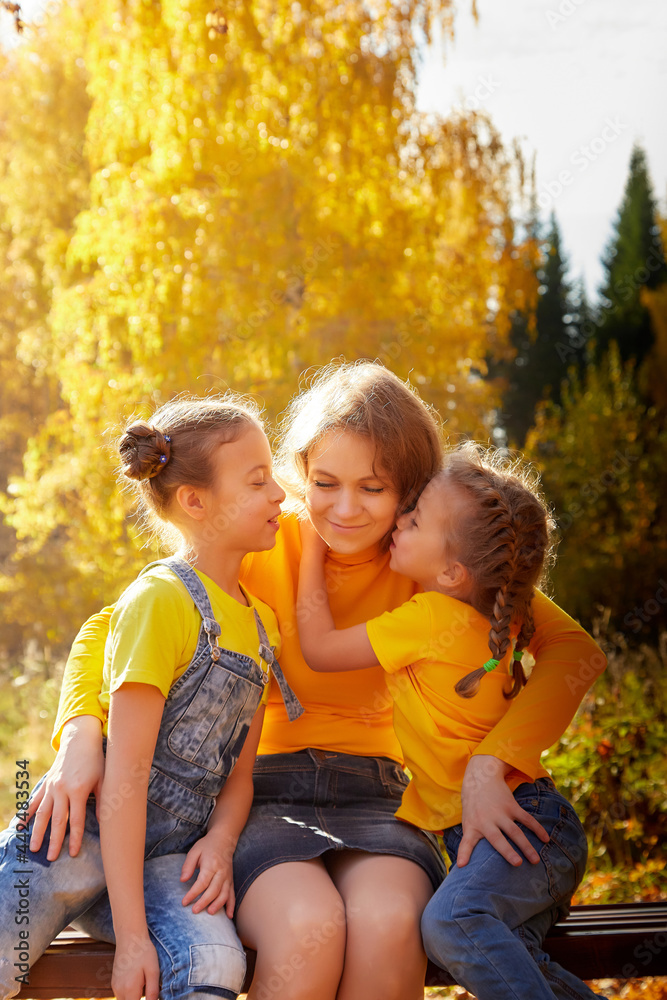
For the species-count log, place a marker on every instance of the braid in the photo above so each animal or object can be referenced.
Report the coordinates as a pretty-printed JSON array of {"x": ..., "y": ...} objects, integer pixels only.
[
  {"x": 527, "y": 628},
  {"x": 503, "y": 544},
  {"x": 526, "y": 633},
  {"x": 501, "y": 619}
]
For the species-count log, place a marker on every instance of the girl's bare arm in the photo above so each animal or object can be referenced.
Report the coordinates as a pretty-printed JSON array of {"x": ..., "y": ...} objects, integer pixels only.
[{"x": 325, "y": 648}]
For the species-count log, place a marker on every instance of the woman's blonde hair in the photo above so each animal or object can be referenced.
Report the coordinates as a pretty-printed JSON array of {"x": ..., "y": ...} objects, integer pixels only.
[
  {"x": 175, "y": 448},
  {"x": 505, "y": 543},
  {"x": 367, "y": 399}
]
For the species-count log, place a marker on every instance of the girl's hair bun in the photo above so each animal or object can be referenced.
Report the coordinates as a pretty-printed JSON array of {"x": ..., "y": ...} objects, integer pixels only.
[{"x": 144, "y": 451}]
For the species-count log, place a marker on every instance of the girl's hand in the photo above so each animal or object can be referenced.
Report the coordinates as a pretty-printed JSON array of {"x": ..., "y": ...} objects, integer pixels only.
[
  {"x": 491, "y": 811},
  {"x": 214, "y": 884},
  {"x": 75, "y": 773},
  {"x": 136, "y": 969}
]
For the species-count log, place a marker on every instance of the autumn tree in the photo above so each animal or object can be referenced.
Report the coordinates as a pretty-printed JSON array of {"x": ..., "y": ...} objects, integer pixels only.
[
  {"x": 43, "y": 185},
  {"x": 263, "y": 195}
]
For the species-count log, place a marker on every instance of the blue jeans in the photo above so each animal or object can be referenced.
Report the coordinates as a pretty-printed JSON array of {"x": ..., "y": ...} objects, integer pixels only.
[
  {"x": 200, "y": 955},
  {"x": 487, "y": 921}
]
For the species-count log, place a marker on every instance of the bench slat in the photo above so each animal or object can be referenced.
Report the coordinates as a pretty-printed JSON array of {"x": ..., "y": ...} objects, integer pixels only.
[{"x": 595, "y": 942}]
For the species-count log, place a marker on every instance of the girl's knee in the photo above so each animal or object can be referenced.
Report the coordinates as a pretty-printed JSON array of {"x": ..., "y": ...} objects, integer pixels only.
[
  {"x": 439, "y": 928},
  {"x": 214, "y": 966},
  {"x": 219, "y": 965},
  {"x": 307, "y": 963}
]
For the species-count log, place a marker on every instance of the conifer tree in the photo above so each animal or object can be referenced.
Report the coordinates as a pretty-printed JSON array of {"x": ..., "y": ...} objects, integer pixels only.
[
  {"x": 634, "y": 260},
  {"x": 544, "y": 353}
]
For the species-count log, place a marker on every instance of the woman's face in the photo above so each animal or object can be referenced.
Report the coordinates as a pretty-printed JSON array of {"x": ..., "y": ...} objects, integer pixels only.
[{"x": 351, "y": 504}]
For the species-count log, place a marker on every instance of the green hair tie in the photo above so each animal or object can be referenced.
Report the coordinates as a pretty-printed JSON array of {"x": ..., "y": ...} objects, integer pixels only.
[
  {"x": 517, "y": 654},
  {"x": 491, "y": 665}
]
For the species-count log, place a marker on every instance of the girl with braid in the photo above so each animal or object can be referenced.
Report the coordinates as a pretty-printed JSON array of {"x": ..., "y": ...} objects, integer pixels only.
[{"x": 477, "y": 544}]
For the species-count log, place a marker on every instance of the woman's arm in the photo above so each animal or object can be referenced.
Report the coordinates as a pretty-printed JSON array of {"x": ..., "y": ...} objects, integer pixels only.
[
  {"x": 75, "y": 773},
  {"x": 567, "y": 661},
  {"x": 82, "y": 680},
  {"x": 77, "y": 737},
  {"x": 134, "y": 721},
  {"x": 325, "y": 647},
  {"x": 213, "y": 854}
]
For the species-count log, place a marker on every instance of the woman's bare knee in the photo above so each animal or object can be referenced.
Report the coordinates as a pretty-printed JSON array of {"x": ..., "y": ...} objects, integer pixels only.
[
  {"x": 295, "y": 918},
  {"x": 384, "y": 899}
]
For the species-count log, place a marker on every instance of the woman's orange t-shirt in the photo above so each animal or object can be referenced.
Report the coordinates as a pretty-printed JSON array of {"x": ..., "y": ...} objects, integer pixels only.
[{"x": 352, "y": 712}]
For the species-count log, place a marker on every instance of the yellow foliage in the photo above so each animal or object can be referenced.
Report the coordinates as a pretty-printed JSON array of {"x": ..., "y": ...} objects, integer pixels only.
[{"x": 248, "y": 199}]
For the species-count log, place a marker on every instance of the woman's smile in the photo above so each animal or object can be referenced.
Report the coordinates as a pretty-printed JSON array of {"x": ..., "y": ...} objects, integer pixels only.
[{"x": 349, "y": 501}]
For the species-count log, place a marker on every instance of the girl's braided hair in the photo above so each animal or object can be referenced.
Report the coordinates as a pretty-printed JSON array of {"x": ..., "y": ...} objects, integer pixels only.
[{"x": 505, "y": 543}]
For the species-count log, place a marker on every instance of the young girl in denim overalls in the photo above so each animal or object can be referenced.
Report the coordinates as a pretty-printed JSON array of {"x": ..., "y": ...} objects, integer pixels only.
[
  {"x": 186, "y": 668},
  {"x": 476, "y": 543}
]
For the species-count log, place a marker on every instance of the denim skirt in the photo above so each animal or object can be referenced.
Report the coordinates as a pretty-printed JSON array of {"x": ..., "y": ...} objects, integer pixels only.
[{"x": 312, "y": 801}]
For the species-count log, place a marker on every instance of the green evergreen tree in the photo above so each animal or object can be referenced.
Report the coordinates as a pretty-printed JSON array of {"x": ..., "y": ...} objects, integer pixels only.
[
  {"x": 634, "y": 260},
  {"x": 543, "y": 354},
  {"x": 601, "y": 453}
]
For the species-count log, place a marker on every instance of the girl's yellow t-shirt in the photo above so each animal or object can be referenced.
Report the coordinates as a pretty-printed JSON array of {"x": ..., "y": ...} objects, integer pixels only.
[
  {"x": 154, "y": 629},
  {"x": 427, "y": 646}
]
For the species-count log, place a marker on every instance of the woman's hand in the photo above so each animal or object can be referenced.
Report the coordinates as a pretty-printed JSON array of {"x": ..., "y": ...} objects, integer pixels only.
[
  {"x": 136, "y": 970},
  {"x": 490, "y": 811},
  {"x": 214, "y": 884},
  {"x": 75, "y": 773}
]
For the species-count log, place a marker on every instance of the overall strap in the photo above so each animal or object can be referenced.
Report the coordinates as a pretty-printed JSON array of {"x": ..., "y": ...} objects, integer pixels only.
[
  {"x": 197, "y": 592},
  {"x": 293, "y": 706}
]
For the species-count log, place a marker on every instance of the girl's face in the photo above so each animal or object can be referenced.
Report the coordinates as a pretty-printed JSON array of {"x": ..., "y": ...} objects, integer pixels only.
[
  {"x": 424, "y": 542},
  {"x": 351, "y": 504},
  {"x": 244, "y": 501}
]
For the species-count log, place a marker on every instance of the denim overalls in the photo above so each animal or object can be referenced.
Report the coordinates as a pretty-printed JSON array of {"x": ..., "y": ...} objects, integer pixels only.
[
  {"x": 204, "y": 724},
  {"x": 205, "y": 721}
]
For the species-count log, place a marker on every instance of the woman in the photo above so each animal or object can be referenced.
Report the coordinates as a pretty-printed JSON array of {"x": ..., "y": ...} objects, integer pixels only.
[{"x": 330, "y": 885}]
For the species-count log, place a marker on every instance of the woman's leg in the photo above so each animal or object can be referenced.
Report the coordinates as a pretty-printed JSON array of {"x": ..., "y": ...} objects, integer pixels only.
[
  {"x": 294, "y": 917},
  {"x": 486, "y": 922},
  {"x": 384, "y": 899}
]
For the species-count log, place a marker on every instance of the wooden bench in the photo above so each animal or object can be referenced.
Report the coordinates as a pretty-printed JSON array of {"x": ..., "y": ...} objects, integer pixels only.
[{"x": 595, "y": 942}]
